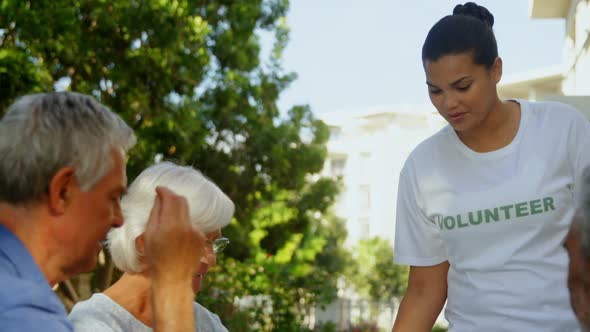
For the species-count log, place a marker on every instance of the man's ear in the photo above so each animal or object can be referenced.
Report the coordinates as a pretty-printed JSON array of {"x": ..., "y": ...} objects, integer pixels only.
[{"x": 62, "y": 186}]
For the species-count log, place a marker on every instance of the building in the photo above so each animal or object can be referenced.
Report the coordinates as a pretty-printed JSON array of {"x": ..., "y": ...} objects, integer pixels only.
[
  {"x": 576, "y": 59},
  {"x": 568, "y": 82},
  {"x": 367, "y": 151}
]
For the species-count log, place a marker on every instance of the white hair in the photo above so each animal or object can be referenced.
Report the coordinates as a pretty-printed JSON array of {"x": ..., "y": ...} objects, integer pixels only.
[
  {"x": 42, "y": 133},
  {"x": 582, "y": 222},
  {"x": 209, "y": 208}
]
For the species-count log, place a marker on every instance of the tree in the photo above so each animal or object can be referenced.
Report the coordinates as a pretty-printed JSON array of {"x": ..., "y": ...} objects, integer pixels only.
[
  {"x": 188, "y": 76},
  {"x": 377, "y": 276}
]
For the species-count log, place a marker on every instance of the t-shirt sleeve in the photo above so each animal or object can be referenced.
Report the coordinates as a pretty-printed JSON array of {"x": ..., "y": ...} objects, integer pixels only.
[{"x": 417, "y": 238}]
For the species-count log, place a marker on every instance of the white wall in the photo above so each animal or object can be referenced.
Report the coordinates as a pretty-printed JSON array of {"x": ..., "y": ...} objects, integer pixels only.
[
  {"x": 576, "y": 50},
  {"x": 375, "y": 146}
]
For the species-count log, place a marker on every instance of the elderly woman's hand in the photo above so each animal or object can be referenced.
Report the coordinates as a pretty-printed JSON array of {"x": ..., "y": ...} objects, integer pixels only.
[{"x": 172, "y": 244}]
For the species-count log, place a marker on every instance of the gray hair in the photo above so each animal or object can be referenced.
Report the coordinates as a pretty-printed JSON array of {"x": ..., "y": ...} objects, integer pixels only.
[
  {"x": 582, "y": 220},
  {"x": 42, "y": 133},
  {"x": 209, "y": 208}
]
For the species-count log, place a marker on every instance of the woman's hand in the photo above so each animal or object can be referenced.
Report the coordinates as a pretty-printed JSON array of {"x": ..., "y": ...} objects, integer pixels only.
[
  {"x": 173, "y": 246},
  {"x": 172, "y": 249}
]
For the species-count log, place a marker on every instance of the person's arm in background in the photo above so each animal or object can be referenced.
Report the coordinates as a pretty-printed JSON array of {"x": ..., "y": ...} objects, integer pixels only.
[
  {"x": 424, "y": 299},
  {"x": 173, "y": 247}
]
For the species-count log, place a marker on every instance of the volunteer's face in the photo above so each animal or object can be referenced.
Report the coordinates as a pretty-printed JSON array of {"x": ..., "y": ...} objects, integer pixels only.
[{"x": 462, "y": 91}]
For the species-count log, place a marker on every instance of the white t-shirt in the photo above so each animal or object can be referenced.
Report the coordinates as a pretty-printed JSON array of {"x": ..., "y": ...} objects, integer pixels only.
[
  {"x": 101, "y": 314},
  {"x": 500, "y": 220}
]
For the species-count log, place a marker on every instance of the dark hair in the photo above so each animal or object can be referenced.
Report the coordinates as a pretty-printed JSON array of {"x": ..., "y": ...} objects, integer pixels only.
[{"x": 469, "y": 29}]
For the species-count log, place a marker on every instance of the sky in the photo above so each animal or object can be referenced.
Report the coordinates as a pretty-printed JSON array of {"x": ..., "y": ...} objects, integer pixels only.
[{"x": 354, "y": 55}]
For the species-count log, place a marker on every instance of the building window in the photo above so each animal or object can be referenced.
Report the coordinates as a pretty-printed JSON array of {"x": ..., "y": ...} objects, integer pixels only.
[
  {"x": 364, "y": 163},
  {"x": 335, "y": 133},
  {"x": 338, "y": 166},
  {"x": 365, "y": 197},
  {"x": 365, "y": 227}
]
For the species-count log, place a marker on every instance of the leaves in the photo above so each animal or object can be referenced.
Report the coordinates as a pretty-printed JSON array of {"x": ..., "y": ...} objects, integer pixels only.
[
  {"x": 377, "y": 276},
  {"x": 187, "y": 75}
]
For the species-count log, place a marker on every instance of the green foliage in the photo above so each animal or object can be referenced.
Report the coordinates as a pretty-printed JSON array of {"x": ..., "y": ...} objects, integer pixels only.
[
  {"x": 326, "y": 327},
  {"x": 364, "y": 327},
  {"x": 377, "y": 276},
  {"x": 19, "y": 75},
  {"x": 188, "y": 76},
  {"x": 301, "y": 274}
]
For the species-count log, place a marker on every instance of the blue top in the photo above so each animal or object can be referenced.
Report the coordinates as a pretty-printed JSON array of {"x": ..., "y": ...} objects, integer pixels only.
[{"x": 27, "y": 302}]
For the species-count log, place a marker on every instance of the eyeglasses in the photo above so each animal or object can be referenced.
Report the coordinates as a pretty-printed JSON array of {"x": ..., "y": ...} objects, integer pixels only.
[{"x": 220, "y": 244}]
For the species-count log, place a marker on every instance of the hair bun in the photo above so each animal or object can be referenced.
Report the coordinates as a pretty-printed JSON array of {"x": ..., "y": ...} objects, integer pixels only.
[{"x": 475, "y": 10}]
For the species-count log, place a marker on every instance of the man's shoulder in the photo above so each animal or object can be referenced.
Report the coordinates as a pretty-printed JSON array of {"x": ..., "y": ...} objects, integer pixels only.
[
  {"x": 28, "y": 298},
  {"x": 27, "y": 303},
  {"x": 27, "y": 306},
  {"x": 15, "y": 259},
  {"x": 15, "y": 324},
  {"x": 23, "y": 292}
]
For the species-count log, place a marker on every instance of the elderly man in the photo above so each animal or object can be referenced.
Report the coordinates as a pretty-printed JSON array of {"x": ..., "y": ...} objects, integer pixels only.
[
  {"x": 62, "y": 172},
  {"x": 578, "y": 248}
]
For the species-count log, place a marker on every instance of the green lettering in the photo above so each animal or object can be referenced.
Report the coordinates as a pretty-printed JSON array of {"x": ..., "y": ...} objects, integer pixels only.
[
  {"x": 449, "y": 222},
  {"x": 506, "y": 210},
  {"x": 459, "y": 223},
  {"x": 439, "y": 219},
  {"x": 517, "y": 210},
  {"x": 536, "y": 206},
  {"x": 473, "y": 221},
  {"x": 548, "y": 203},
  {"x": 492, "y": 215},
  {"x": 521, "y": 209}
]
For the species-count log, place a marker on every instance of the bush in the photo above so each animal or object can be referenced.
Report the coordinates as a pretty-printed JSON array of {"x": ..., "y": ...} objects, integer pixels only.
[
  {"x": 326, "y": 327},
  {"x": 364, "y": 327}
]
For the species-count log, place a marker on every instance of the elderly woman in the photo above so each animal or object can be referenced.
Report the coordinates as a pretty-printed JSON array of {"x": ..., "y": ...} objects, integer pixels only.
[{"x": 127, "y": 305}]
